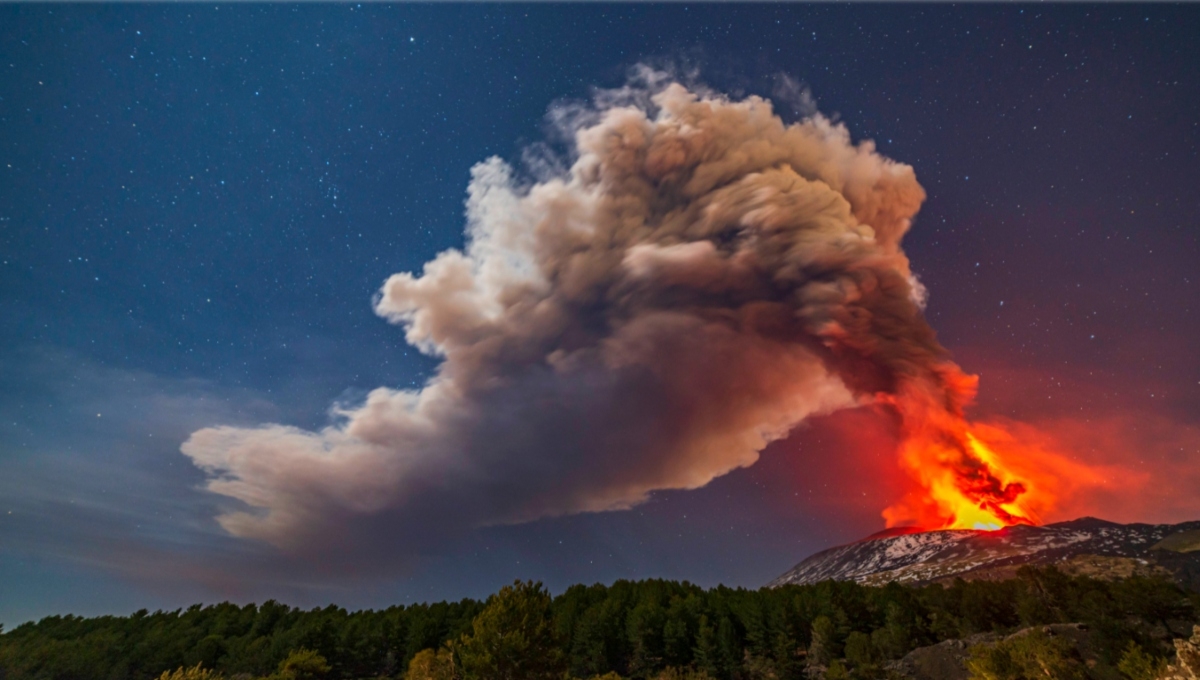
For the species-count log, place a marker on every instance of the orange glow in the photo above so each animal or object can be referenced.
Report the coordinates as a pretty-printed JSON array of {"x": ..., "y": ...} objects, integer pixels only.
[
  {"x": 968, "y": 486},
  {"x": 970, "y": 475}
]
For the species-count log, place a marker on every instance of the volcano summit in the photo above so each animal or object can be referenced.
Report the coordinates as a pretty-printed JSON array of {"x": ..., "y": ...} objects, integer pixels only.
[{"x": 1087, "y": 546}]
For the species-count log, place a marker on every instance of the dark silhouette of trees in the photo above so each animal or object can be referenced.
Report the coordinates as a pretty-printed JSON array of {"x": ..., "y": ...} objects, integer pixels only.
[{"x": 644, "y": 630}]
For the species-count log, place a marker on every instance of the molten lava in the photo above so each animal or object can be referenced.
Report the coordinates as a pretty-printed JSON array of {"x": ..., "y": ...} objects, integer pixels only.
[
  {"x": 971, "y": 475},
  {"x": 968, "y": 485}
]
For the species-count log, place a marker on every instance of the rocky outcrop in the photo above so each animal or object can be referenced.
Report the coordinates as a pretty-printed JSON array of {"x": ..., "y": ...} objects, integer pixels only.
[
  {"x": 1187, "y": 659},
  {"x": 1180, "y": 542},
  {"x": 947, "y": 660}
]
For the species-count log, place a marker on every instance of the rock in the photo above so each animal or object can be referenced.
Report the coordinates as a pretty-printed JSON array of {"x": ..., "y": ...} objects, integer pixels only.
[
  {"x": 946, "y": 660},
  {"x": 1187, "y": 659},
  {"x": 1181, "y": 542}
]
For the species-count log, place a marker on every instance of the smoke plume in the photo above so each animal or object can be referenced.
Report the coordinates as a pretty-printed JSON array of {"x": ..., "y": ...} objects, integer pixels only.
[{"x": 701, "y": 279}]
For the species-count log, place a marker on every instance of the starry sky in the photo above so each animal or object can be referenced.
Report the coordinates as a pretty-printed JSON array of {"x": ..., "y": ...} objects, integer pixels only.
[{"x": 198, "y": 202}]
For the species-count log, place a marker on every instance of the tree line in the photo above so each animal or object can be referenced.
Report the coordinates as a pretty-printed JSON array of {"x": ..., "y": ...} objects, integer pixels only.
[{"x": 650, "y": 629}]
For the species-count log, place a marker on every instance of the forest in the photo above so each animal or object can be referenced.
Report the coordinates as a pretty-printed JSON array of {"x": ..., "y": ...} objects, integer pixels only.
[{"x": 646, "y": 629}]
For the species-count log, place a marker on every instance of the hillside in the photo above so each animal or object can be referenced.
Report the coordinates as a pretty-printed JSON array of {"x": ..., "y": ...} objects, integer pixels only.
[{"x": 1087, "y": 546}]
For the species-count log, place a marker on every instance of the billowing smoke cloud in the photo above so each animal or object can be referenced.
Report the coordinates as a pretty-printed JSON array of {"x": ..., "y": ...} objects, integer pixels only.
[{"x": 701, "y": 279}]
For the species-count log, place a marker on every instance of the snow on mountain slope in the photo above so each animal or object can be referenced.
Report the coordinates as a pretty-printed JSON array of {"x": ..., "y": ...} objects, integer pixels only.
[{"x": 928, "y": 556}]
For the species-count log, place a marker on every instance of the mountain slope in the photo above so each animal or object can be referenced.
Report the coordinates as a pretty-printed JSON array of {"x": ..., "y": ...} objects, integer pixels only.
[{"x": 1086, "y": 545}]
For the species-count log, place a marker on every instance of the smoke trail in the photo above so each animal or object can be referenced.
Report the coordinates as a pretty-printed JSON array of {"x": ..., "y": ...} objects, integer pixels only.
[{"x": 701, "y": 280}]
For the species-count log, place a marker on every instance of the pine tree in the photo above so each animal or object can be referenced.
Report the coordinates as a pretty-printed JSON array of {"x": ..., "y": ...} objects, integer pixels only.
[
  {"x": 513, "y": 638},
  {"x": 705, "y": 652}
]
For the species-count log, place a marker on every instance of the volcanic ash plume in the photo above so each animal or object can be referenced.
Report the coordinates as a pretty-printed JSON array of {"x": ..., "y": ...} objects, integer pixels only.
[{"x": 701, "y": 280}]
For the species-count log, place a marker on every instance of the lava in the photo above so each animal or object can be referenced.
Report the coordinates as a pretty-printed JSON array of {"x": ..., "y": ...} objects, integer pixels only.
[
  {"x": 970, "y": 475},
  {"x": 969, "y": 485}
]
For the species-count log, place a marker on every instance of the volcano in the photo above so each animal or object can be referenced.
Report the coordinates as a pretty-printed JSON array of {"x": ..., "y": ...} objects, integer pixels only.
[{"x": 1086, "y": 546}]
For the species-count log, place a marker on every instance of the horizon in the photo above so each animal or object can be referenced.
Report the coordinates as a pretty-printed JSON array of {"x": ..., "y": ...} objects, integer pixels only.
[{"x": 882, "y": 535}]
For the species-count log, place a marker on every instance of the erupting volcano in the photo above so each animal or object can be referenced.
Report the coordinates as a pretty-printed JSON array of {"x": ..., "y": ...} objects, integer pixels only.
[
  {"x": 699, "y": 280},
  {"x": 967, "y": 481},
  {"x": 983, "y": 475}
]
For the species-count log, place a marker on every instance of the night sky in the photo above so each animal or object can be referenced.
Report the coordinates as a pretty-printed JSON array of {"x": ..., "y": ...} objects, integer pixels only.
[{"x": 197, "y": 204}]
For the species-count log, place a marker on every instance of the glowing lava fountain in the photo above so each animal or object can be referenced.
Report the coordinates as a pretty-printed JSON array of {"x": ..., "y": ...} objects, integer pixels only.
[{"x": 972, "y": 475}]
